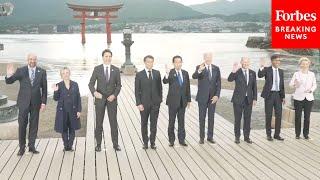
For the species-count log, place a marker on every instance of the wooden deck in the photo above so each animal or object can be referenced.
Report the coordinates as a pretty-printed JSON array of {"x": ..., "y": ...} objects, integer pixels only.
[{"x": 291, "y": 159}]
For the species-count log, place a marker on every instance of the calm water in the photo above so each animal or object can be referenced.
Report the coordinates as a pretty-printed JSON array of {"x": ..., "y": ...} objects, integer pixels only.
[{"x": 55, "y": 51}]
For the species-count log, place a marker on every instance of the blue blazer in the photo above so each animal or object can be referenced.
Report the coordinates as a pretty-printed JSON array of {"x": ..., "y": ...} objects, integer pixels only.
[{"x": 76, "y": 106}]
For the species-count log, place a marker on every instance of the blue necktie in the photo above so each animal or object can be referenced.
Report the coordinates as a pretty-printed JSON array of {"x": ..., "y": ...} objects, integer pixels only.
[
  {"x": 32, "y": 76},
  {"x": 180, "y": 79}
]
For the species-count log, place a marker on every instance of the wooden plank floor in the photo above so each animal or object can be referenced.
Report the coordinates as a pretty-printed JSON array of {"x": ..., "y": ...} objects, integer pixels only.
[{"x": 291, "y": 159}]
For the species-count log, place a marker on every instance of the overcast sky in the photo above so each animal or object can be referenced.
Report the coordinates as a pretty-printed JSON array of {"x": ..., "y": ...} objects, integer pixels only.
[{"x": 189, "y": 2}]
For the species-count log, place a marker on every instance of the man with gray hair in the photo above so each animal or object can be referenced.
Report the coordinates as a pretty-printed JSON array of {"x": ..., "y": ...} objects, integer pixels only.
[
  {"x": 244, "y": 97},
  {"x": 32, "y": 98}
]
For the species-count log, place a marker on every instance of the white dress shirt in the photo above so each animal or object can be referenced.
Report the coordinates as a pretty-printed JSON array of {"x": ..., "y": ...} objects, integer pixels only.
[
  {"x": 244, "y": 73},
  {"x": 104, "y": 69},
  {"x": 147, "y": 71},
  {"x": 308, "y": 84},
  {"x": 274, "y": 79},
  {"x": 179, "y": 71}
]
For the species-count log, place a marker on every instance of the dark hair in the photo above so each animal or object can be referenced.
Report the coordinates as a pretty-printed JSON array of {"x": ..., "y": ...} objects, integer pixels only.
[
  {"x": 148, "y": 57},
  {"x": 176, "y": 57},
  {"x": 106, "y": 51},
  {"x": 275, "y": 56}
]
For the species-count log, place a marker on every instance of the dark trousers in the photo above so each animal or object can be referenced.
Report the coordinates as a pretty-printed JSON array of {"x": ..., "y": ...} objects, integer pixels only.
[
  {"x": 68, "y": 134},
  {"x": 246, "y": 109},
  {"x": 273, "y": 102},
  {"x": 30, "y": 114},
  {"x": 178, "y": 112},
  {"x": 307, "y": 107},
  {"x": 151, "y": 111},
  {"x": 112, "y": 115},
  {"x": 203, "y": 107}
]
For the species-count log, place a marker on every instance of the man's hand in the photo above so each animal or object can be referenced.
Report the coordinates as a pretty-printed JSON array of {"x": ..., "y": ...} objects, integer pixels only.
[
  {"x": 43, "y": 107},
  {"x": 167, "y": 69},
  {"x": 55, "y": 87},
  {"x": 78, "y": 114},
  {"x": 111, "y": 98},
  {"x": 296, "y": 83},
  {"x": 202, "y": 67},
  {"x": 140, "y": 107},
  {"x": 283, "y": 101},
  {"x": 97, "y": 95},
  {"x": 188, "y": 105},
  {"x": 214, "y": 99},
  {"x": 235, "y": 67},
  {"x": 262, "y": 63},
  {"x": 254, "y": 103},
  {"x": 10, "y": 70}
]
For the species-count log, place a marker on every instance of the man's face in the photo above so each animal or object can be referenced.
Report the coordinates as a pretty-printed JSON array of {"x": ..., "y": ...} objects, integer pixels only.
[
  {"x": 32, "y": 60},
  {"x": 149, "y": 63},
  {"x": 65, "y": 74},
  {"x": 207, "y": 57},
  {"x": 107, "y": 57},
  {"x": 304, "y": 65},
  {"x": 245, "y": 63},
  {"x": 276, "y": 62},
  {"x": 177, "y": 63}
]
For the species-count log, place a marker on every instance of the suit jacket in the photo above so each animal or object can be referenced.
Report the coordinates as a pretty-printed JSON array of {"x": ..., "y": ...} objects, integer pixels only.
[
  {"x": 59, "y": 96},
  {"x": 178, "y": 94},
  {"x": 148, "y": 92},
  {"x": 208, "y": 88},
  {"x": 267, "y": 73},
  {"x": 242, "y": 89},
  {"x": 35, "y": 94},
  {"x": 113, "y": 87}
]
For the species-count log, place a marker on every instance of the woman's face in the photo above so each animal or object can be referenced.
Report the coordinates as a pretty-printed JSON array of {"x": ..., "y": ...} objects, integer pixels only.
[
  {"x": 304, "y": 65},
  {"x": 65, "y": 74}
]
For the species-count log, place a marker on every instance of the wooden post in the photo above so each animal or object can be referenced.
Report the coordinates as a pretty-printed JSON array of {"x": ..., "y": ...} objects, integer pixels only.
[
  {"x": 108, "y": 28},
  {"x": 83, "y": 27}
]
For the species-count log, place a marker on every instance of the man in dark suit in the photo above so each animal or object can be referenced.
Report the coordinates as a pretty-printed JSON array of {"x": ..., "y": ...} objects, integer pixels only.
[
  {"x": 108, "y": 88},
  {"x": 179, "y": 97},
  {"x": 274, "y": 94},
  {"x": 244, "y": 97},
  {"x": 32, "y": 98},
  {"x": 148, "y": 92},
  {"x": 209, "y": 87}
]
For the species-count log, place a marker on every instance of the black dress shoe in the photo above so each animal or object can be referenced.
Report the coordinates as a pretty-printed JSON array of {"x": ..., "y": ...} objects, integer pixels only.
[
  {"x": 297, "y": 137},
  {"x": 98, "y": 148},
  {"x": 145, "y": 146},
  {"x": 279, "y": 138},
  {"x": 201, "y": 141},
  {"x": 117, "y": 148},
  {"x": 237, "y": 141},
  {"x": 183, "y": 144},
  {"x": 269, "y": 138},
  {"x": 153, "y": 146},
  {"x": 21, "y": 152},
  {"x": 33, "y": 151},
  {"x": 306, "y": 137},
  {"x": 171, "y": 144},
  {"x": 248, "y": 140},
  {"x": 211, "y": 141}
]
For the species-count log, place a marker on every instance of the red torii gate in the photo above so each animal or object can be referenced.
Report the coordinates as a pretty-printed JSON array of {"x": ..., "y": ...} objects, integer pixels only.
[{"x": 84, "y": 12}]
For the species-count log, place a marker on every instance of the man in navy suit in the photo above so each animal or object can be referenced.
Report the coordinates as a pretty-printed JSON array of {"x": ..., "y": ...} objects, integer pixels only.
[
  {"x": 244, "y": 97},
  {"x": 274, "y": 94},
  {"x": 209, "y": 87},
  {"x": 179, "y": 97},
  {"x": 32, "y": 98}
]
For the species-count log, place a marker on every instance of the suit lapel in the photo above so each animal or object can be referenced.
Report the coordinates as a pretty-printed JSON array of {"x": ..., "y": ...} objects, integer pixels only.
[{"x": 37, "y": 75}]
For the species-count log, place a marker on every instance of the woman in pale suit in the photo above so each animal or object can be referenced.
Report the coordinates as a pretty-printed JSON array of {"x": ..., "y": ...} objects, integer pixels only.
[{"x": 304, "y": 82}]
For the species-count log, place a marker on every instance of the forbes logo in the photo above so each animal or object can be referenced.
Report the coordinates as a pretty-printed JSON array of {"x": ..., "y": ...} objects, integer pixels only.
[{"x": 281, "y": 15}]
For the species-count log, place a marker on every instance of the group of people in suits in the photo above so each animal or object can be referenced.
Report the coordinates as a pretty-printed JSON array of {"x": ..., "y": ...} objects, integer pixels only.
[{"x": 105, "y": 86}]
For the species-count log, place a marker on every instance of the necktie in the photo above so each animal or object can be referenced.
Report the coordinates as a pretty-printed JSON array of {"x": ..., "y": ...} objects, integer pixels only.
[
  {"x": 276, "y": 80},
  {"x": 180, "y": 79},
  {"x": 150, "y": 76},
  {"x": 32, "y": 76},
  {"x": 209, "y": 72},
  {"x": 107, "y": 74},
  {"x": 246, "y": 76}
]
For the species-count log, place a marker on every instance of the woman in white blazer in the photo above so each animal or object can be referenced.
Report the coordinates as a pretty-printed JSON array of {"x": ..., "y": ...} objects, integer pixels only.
[{"x": 304, "y": 82}]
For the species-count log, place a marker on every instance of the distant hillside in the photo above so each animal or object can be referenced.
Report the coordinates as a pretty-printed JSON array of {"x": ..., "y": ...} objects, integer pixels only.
[
  {"x": 233, "y": 7},
  {"x": 57, "y": 12},
  {"x": 245, "y": 17}
]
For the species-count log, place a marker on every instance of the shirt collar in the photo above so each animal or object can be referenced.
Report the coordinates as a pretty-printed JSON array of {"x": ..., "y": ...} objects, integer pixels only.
[
  {"x": 30, "y": 68},
  {"x": 106, "y": 65},
  {"x": 147, "y": 70},
  {"x": 273, "y": 68}
]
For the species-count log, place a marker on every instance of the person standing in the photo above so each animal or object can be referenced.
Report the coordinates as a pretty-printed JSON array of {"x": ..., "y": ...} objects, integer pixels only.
[
  {"x": 179, "y": 97},
  {"x": 244, "y": 97},
  {"x": 32, "y": 98},
  {"x": 108, "y": 88},
  {"x": 209, "y": 87},
  {"x": 273, "y": 93},
  {"x": 305, "y": 83},
  {"x": 148, "y": 93},
  {"x": 69, "y": 108}
]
